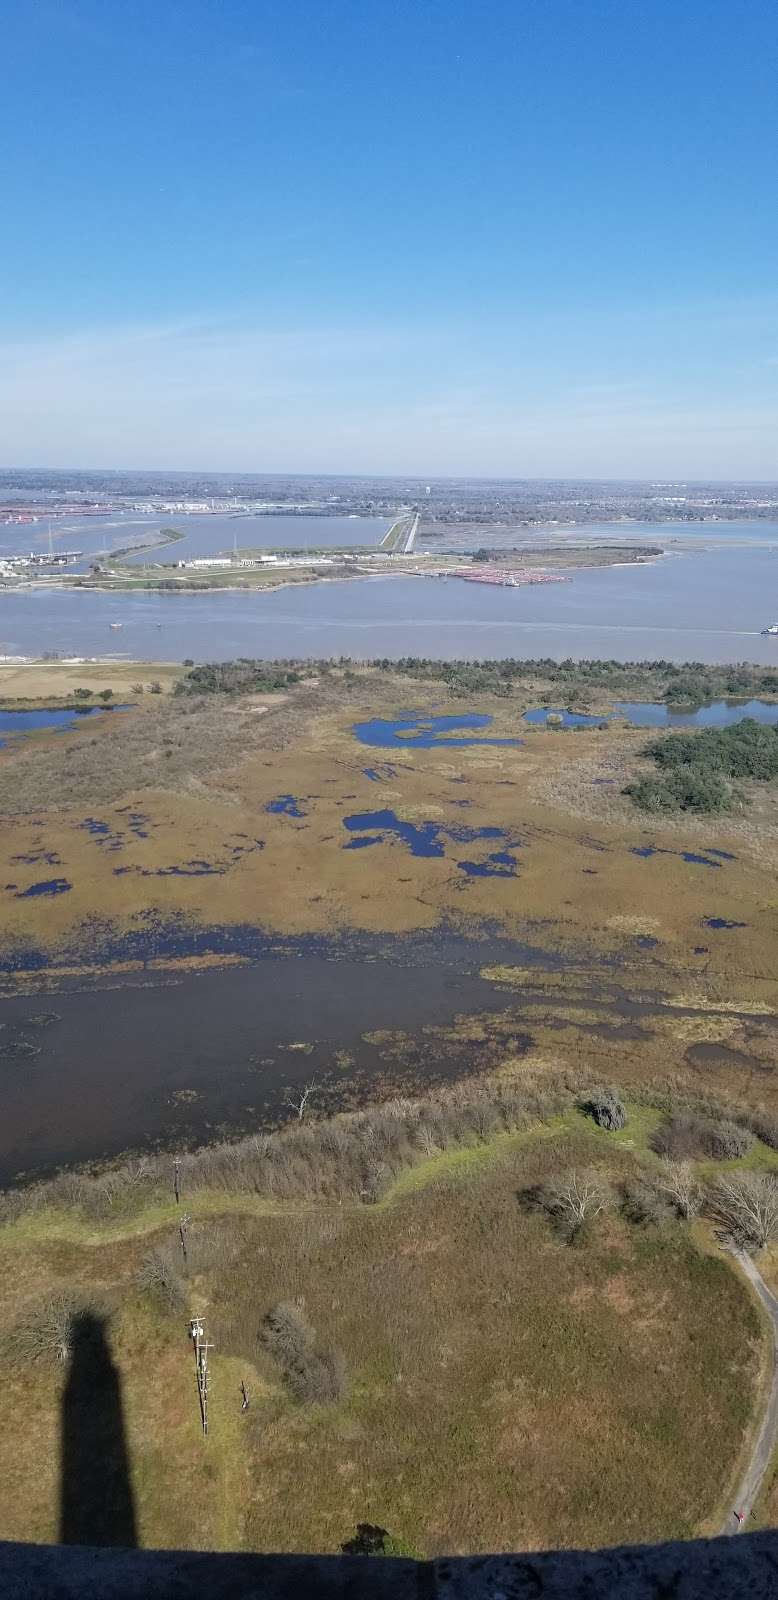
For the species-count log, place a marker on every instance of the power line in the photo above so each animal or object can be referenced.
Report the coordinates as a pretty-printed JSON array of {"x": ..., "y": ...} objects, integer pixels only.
[{"x": 202, "y": 1346}]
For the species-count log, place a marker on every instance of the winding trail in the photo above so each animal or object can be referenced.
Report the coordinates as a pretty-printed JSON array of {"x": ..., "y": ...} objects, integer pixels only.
[{"x": 767, "y": 1438}]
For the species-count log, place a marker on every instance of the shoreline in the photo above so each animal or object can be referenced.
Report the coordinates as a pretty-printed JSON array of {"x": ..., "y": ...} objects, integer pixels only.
[{"x": 184, "y": 586}]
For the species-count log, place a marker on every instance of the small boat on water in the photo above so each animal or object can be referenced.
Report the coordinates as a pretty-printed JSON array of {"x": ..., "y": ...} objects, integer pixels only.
[
  {"x": 115, "y": 626},
  {"x": 772, "y": 630}
]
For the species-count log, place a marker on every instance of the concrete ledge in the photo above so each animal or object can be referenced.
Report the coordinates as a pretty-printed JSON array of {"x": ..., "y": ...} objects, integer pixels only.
[
  {"x": 717, "y": 1569},
  {"x": 703, "y": 1569}
]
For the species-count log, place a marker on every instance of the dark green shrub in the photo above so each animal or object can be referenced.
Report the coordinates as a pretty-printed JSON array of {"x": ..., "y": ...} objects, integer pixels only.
[
  {"x": 606, "y": 1109},
  {"x": 688, "y": 688},
  {"x": 748, "y": 749},
  {"x": 370, "y": 1540},
  {"x": 697, "y": 768},
  {"x": 687, "y": 790}
]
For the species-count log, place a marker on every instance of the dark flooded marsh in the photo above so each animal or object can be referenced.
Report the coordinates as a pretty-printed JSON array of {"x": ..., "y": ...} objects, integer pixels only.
[
  {"x": 179, "y": 1058},
  {"x": 92, "y": 1068}
]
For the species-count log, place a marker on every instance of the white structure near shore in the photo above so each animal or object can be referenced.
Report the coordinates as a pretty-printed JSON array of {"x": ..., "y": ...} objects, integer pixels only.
[{"x": 208, "y": 562}]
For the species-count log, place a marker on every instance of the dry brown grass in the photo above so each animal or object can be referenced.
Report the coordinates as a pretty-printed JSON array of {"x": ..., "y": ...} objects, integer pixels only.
[
  {"x": 166, "y": 743},
  {"x": 55, "y": 680}
]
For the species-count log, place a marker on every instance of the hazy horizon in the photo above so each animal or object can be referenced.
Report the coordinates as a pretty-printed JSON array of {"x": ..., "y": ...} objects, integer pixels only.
[{"x": 342, "y": 475}]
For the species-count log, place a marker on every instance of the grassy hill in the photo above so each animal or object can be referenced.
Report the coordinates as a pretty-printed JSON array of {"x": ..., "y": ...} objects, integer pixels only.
[{"x": 499, "y": 1388}]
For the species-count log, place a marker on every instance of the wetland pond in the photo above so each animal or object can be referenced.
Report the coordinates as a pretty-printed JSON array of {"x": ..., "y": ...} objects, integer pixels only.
[
  {"x": 421, "y": 731},
  {"x": 416, "y": 730},
  {"x": 656, "y": 714},
  {"x": 48, "y": 718}
]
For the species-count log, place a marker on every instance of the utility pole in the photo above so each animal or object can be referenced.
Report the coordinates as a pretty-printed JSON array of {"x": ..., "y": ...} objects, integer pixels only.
[
  {"x": 182, "y": 1231},
  {"x": 177, "y": 1178},
  {"x": 202, "y": 1346}
]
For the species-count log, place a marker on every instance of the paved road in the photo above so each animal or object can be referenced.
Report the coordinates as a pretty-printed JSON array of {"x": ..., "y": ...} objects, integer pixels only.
[
  {"x": 398, "y": 539},
  {"x": 411, "y": 536},
  {"x": 767, "y": 1438}
]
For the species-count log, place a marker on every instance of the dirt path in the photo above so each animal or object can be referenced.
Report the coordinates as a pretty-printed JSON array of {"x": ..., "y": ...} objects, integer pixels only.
[{"x": 767, "y": 1438}]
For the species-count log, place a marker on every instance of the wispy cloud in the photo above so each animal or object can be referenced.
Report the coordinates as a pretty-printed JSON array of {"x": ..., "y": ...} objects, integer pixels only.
[{"x": 238, "y": 391}]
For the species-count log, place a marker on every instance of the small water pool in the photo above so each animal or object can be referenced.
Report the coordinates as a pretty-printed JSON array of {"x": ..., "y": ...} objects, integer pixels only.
[
  {"x": 286, "y": 805},
  {"x": 47, "y": 886},
  {"x": 419, "y": 730},
  {"x": 719, "y": 714},
  {"x": 693, "y": 857},
  {"x": 428, "y": 839},
  {"x": 49, "y": 717},
  {"x": 566, "y": 719}
]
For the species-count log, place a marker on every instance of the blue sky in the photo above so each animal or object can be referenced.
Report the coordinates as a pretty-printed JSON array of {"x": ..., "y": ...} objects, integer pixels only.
[{"x": 523, "y": 238}]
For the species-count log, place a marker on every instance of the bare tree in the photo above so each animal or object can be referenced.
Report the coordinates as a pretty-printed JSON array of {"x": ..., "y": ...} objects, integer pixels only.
[
  {"x": 46, "y": 1332},
  {"x": 681, "y": 1188},
  {"x": 297, "y": 1099},
  {"x": 574, "y": 1198},
  {"x": 159, "y": 1275},
  {"x": 745, "y": 1204},
  {"x": 427, "y": 1140}
]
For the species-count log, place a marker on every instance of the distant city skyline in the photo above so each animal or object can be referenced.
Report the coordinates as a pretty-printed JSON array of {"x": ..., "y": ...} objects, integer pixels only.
[{"x": 410, "y": 239}]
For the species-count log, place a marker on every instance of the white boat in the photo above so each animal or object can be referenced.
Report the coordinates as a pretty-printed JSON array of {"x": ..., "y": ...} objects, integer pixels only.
[
  {"x": 772, "y": 630},
  {"x": 116, "y": 625}
]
